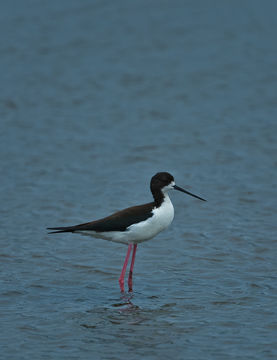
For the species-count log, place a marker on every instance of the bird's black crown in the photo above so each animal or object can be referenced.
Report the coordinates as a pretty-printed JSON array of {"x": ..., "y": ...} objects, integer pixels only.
[{"x": 160, "y": 180}]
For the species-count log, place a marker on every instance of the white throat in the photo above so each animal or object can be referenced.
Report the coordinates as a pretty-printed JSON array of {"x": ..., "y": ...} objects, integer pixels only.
[{"x": 168, "y": 187}]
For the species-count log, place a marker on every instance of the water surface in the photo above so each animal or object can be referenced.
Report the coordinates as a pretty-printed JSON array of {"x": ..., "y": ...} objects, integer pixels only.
[{"x": 97, "y": 96}]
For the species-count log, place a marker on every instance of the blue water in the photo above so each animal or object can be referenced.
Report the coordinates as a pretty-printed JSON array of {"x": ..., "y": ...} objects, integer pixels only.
[{"x": 97, "y": 96}]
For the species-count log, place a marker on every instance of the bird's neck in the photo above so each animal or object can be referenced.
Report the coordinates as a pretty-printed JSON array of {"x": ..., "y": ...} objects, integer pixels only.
[{"x": 160, "y": 197}]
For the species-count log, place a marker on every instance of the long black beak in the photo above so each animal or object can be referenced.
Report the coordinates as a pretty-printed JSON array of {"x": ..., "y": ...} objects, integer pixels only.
[{"x": 187, "y": 192}]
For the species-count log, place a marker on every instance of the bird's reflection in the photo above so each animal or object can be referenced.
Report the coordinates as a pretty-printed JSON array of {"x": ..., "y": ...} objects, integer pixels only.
[{"x": 125, "y": 303}]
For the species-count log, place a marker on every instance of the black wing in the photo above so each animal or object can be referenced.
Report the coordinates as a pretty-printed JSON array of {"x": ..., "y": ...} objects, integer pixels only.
[{"x": 118, "y": 221}]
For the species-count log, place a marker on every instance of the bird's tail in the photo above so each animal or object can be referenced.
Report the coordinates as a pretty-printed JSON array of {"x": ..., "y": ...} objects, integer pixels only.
[{"x": 62, "y": 229}]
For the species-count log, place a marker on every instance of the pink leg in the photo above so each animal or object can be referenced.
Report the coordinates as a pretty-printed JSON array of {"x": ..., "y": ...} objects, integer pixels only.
[
  {"x": 122, "y": 275},
  {"x": 130, "y": 278}
]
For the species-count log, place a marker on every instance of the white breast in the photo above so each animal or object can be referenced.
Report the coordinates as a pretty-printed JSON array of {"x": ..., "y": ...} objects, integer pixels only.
[{"x": 145, "y": 230}]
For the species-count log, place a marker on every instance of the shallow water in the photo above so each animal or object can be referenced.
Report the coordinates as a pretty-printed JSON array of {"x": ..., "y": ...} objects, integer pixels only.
[{"x": 95, "y": 98}]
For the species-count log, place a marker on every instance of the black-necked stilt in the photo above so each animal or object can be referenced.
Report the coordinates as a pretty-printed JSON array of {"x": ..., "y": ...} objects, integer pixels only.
[{"x": 134, "y": 224}]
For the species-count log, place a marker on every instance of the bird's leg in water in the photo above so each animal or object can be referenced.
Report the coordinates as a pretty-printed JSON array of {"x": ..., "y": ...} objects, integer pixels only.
[
  {"x": 130, "y": 278},
  {"x": 122, "y": 275}
]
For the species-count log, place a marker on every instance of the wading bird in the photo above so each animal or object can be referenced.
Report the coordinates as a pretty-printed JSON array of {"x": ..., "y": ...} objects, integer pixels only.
[{"x": 135, "y": 224}]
